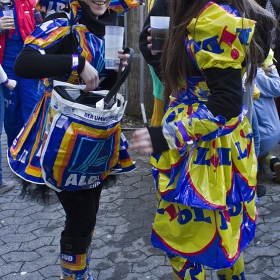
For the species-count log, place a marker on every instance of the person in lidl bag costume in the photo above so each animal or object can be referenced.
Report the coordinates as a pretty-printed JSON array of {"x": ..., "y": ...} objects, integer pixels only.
[{"x": 203, "y": 158}]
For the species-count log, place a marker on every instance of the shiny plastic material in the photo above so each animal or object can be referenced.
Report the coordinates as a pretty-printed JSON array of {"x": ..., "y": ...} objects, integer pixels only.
[
  {"x": 83, "y": 143},
  {"x": 120, "y": 6},
  {"x": 206, "y": 181}
]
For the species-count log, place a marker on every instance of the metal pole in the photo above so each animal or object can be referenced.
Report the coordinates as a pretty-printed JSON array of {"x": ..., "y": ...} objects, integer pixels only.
[
  {"x": 142, "y": 80},
  {"x": 125, "y": 42}
]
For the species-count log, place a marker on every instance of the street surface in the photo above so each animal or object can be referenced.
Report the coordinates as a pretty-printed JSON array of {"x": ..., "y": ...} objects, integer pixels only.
[{"x": 30, "y": 231}]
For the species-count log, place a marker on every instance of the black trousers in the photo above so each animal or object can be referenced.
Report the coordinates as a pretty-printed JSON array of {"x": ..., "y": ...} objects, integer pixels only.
[{"x": 81, "y": 208}]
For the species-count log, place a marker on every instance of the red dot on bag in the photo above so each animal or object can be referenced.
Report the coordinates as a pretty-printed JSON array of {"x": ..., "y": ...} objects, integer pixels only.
[
  {"x": 242, "y": 133},
  {"x": 235, "y": 54}
]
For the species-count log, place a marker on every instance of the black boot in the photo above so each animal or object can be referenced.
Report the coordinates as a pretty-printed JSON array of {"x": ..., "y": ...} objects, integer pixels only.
[
  {"x": 275, "y": 167},
  {"x": 75, "y": 257},
  {"x": 261, "y": 190},
  {"x": 44, "y": 190},
  {"x": 25, "y": 185}
]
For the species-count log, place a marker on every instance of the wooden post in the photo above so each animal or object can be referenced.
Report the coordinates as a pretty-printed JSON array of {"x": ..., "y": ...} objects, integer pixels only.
[{"x": 133, "y": 86}]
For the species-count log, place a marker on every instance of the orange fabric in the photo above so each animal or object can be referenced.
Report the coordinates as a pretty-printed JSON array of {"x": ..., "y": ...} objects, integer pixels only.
[{"x": 158, "y": 112}]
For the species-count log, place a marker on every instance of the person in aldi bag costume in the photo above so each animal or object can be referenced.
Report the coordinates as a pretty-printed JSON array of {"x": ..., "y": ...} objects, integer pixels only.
[
  {"x": 203, "y": 158},
  {"x": 68, "y": 46}
]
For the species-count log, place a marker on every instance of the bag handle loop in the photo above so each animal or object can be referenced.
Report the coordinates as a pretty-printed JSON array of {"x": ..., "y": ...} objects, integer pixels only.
[{"x": 121, "y": 77}]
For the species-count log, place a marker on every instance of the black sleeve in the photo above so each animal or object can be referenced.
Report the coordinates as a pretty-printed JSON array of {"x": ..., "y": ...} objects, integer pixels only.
[
  {"x": 226, "y": 92},
  {"x": 31, "y": 64},
  {"x": 52, "y": 65},
  {"x": 159, "y": 142},
  {"x": 160, "y": 8}
]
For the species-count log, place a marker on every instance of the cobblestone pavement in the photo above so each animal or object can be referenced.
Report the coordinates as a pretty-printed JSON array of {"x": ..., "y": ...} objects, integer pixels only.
[{"x": 30, "y": 231}]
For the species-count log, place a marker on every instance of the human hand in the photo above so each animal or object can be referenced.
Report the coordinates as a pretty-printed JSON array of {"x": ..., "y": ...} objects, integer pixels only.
[
  {"x": 11, "y": 84},
  {"x": 150, "y": 45},
  {"x": 90, "y": 77},
  {"x": 266, "y": 71},
  {"x": 142, "y": 142},
  {"x": 6, "y": 23},
  {"x": 124, "y": 57}
]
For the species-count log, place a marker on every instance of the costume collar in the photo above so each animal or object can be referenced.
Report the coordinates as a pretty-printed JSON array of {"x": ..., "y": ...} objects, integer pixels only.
[{"x": 81, "y": 12}]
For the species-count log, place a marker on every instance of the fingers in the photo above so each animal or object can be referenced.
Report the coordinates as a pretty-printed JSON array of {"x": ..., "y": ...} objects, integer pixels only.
[
  {"x": 266, "y": 71},
  {"x": 140, "y": 134},
  {"x": 124, "y": 58},
  {"x": 11, "y": 84},
  {"x": 7, "y": 23},
  {"x": 90, "y": 77},
  {"x": 150, "y": 45},
  {"x": 145, "y": 151},
  {"x": 90, "y": 85},
  {"x": 142, "y": 142},
  {"x": 87, "y": 88},
  {"x": 124, "y": 63},
  {"x": 154, "y": 53}
]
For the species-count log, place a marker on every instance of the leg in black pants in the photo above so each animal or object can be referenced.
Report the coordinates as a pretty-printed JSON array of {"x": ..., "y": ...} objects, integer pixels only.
[{"x": 81, "y": 208}]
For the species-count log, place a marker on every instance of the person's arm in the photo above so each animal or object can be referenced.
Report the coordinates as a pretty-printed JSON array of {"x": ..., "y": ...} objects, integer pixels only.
[
  {"x": 226, "y": 92},
  {"x": 4, "y": 80},
  {"x": 3, "y": 75},
  {"x": 160, "y": 8},
  {"x": 55, "y": 60},
  {"x": 44, "y": 65},
  {"x": 269, "y": 86}
]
